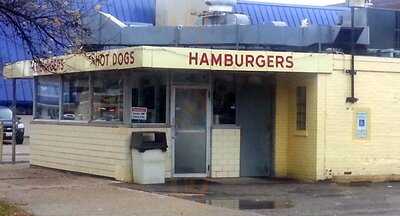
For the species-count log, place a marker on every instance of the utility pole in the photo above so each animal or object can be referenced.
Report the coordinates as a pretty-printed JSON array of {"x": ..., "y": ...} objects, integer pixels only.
[{"x": 14, "y": 119}]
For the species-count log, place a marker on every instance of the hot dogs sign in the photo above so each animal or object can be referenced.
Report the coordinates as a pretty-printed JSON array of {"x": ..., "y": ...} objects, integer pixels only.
[
  {"x": 174, "y": 58},
  {"x": 112, "y": 59}
]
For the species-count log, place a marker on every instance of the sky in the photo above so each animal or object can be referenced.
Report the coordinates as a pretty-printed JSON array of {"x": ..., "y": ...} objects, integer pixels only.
[{"x": 304, "y": 2}]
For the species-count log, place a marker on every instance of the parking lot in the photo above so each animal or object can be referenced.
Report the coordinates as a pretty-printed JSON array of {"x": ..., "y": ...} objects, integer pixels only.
[{"x": 23, "y": 152}]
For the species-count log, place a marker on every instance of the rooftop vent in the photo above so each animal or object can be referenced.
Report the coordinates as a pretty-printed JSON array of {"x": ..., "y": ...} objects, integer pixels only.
[{"x": 220, "y": 12}]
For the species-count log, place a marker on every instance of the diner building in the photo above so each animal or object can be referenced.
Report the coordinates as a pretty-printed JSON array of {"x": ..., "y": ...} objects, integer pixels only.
[{"x": 234, "y": 99}]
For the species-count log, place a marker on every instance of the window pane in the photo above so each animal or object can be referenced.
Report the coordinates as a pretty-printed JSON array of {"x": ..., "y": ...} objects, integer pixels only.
[
  {"x": 76, "y": 97},
  {"x": 224, "y": 101},
  {"x": 107, "y": 97},
  {"x": 47, "y": 99},
  {"x": 301, "y": 105},
  {"x": 149, "y": 98}
]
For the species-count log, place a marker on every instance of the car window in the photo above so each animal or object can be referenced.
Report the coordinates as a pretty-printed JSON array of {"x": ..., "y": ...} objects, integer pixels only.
[{"x": 5, "y": 114}]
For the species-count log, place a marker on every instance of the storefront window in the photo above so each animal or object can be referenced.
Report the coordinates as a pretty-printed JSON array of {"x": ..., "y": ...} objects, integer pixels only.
[
  {"x": 149, "y": 94},
  {"x": 47, "y": 98},
  {"x": 76, "y": 97},
  {"x": 224, "y": 102},
  {"x": 107, "y": 97}
]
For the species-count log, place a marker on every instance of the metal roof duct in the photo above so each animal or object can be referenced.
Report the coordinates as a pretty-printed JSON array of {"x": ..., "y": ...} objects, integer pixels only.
[{"x": 105, "y": 32}]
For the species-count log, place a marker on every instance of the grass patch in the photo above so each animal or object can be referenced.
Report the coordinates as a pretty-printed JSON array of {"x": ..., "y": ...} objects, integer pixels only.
[{"x": 11, "y": 210}]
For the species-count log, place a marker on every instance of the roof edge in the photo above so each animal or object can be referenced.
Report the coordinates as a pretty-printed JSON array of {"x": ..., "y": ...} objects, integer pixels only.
[{"x": 293, "y": 5}]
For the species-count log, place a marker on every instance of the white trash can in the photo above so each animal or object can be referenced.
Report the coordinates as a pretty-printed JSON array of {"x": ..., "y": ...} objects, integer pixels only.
[
  {"x": 148, "y": 167},
  {"x": 148, "y": 157}
]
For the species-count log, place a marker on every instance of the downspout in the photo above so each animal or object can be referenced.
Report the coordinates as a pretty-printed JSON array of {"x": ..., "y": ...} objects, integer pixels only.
[{"x": 352, "y": 99}]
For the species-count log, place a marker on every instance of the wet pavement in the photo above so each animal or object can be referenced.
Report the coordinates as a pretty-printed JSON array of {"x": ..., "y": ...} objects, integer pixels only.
[
  {"x": 47, "y": 192},
  {"x": 51, "y": 192},
  {"x": 285, "y": 197}
]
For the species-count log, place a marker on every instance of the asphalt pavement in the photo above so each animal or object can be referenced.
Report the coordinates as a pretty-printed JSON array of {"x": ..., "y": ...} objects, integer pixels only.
[
  {"x": 50, "y": 192},
  {"x": 22, "y": 152}
]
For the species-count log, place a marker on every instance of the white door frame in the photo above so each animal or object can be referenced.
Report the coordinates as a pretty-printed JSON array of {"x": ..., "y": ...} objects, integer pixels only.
[{"x": 208, "y": 131}]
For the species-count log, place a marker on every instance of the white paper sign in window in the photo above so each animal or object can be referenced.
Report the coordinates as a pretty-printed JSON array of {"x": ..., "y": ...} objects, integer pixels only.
[
  {"x": 362, "y": 125},
  {"x": 139, "y": 113}
]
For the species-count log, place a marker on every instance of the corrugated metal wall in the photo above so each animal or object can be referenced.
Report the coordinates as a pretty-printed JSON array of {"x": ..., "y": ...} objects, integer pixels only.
[
  {"x": 11, "y": 50},
  {"x": 264, "y": 13}
]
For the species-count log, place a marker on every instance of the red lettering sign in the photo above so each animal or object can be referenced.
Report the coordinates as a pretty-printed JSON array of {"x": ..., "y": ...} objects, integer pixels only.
[
  {"x": 241, "y": 60},
  {"x": 216, "y": 59},
  {"x": 48, "y": 66},
  {"x": 112, "y": 59}
]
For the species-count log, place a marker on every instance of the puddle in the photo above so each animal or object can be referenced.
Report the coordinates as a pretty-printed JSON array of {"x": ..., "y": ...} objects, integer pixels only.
[
  {"x": 191, "y": 182},
  {"x": 242, "y": 204},
  {"x": 360, "y": 184},
  {"x": 357, "y": 184}
]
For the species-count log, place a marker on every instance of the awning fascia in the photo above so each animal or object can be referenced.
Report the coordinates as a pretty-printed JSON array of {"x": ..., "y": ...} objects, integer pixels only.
[{"x": 175, "y": 58}]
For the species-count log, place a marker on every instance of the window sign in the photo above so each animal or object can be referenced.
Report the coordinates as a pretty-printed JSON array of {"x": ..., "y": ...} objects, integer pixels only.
[
  {"x": 362, "y": 125},
  {"x": 139, "y": 113}
]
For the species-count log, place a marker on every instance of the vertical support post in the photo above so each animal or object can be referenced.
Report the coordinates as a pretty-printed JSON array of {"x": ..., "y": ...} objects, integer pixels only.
[
  {"x": 91, "y": 96},
  {"x": 168, "y": 99},
  {"x": 34, "y": 96},
  {"x": 127, "y": 95},
  {"x": 1, "y": 142},
  {"x": 14, "y": 120},
  {"x": 60, "y": 97}
]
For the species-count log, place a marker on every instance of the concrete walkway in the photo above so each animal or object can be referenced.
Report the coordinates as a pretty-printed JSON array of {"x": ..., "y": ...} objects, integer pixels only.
[{"x": 46, "y": 192}]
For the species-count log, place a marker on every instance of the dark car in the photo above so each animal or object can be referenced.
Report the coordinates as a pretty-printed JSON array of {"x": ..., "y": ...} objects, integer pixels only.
[{"x": 6, "y": 120}]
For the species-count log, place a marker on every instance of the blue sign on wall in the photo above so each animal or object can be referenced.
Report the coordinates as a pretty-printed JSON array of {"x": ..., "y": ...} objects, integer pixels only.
[{"x": 362, "y": 125}]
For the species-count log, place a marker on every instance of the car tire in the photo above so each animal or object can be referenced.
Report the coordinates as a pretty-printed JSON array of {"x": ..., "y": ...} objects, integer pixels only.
[{"x": 19, "y": 140}]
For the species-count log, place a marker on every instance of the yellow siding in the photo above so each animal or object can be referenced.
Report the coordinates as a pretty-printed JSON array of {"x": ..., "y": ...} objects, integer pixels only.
[
  {"x": 103, "y": 151},
  {"x": 300, "y": 147},
  {"x": 329, "y": 149},
  {"x": 281, "y": 126},
  {"x": 321, "y": 126},
  {"x": 379, "y": 93}
]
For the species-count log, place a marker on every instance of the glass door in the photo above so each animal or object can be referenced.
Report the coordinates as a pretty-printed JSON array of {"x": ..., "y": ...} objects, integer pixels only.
[{"x": 190, "y": 131}]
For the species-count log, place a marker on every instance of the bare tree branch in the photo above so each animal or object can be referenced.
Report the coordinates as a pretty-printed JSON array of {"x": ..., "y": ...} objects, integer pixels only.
[{"x": 45, "y": 27}]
